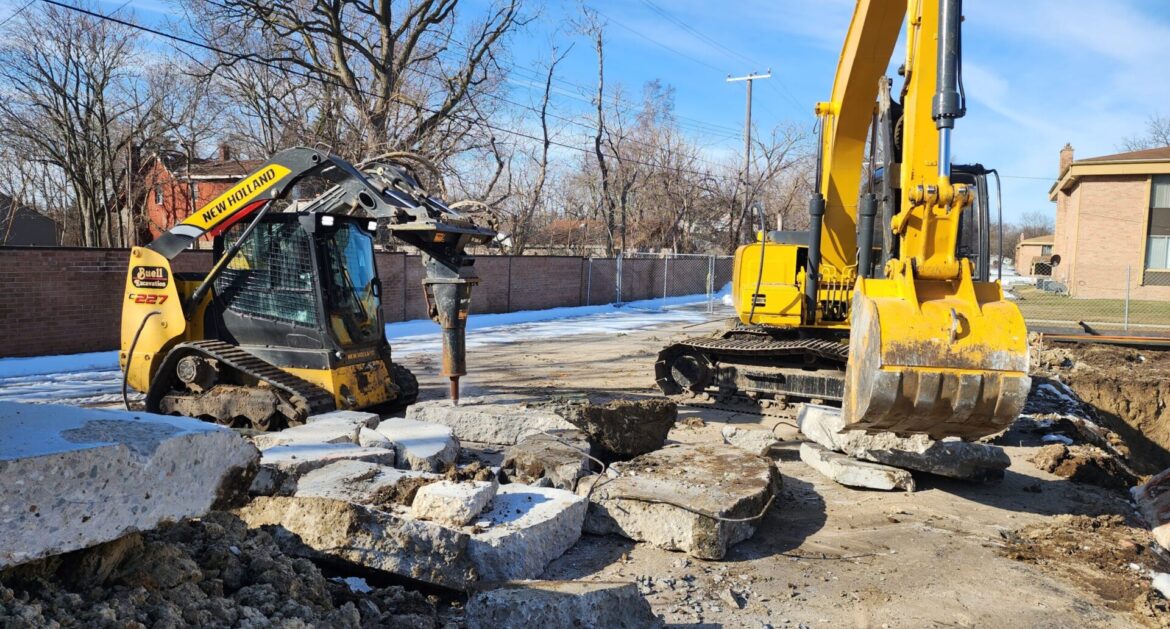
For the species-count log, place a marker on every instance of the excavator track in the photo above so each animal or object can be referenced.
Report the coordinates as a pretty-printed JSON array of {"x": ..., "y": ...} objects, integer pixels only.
[
  {"x": 293, "y": 399},
  {"x": 755, "y": 364}
]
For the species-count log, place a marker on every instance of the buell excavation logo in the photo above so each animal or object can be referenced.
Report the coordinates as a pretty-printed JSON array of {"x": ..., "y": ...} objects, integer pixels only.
[{"x": 150, "y": 277}]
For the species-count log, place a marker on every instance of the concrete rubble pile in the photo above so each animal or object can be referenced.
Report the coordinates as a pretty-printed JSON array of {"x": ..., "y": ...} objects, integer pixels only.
[
  {"x": 880, "y": 461},
  {"x": 388, "y": 508}
]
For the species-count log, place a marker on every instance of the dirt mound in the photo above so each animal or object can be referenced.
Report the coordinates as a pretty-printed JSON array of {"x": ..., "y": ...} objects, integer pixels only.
[
  {"x": 213, "y": 572},
  {"x": 1128, "y": 388},
  {"x": 1084, "y": 464},
  {"x": 1103, "y": 555}
]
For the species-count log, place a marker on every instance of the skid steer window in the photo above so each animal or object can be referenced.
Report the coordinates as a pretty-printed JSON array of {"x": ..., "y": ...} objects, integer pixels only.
[
  {"x": 351, "y": 298},
  {"x": 271, "y": 276}
]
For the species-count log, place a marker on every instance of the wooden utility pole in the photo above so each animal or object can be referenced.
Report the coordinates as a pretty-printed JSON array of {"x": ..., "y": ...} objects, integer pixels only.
[{"x": 747, "y": 150}]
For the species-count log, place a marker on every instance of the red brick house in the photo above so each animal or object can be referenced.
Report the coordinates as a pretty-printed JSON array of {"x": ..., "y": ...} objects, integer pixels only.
[
  {"x": 178, "y": 188},
  {"x": 1113, "y": 220}
]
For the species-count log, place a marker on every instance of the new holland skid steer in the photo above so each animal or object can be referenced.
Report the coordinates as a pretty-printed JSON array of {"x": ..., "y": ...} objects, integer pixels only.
[
  {"x": 288, "y": 321},
  {"x": 920, "y": 342}
]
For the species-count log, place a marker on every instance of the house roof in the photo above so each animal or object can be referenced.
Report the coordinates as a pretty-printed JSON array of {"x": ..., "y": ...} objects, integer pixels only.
[
  {"x": 1161, "y": 153},
  {"x": 1155, "y": 161},
  {"x": 1039, "y": 240},
  {"x": 231, "y": 169}
]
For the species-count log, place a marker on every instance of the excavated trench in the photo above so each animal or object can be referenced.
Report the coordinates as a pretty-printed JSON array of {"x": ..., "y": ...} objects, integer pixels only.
[{"x": 1128, "y": 388}]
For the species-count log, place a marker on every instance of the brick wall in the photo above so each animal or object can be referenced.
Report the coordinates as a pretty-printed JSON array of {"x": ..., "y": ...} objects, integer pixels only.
[
  {"x": 69, "y": 300},
  {"x": 1105, "y": 230}
]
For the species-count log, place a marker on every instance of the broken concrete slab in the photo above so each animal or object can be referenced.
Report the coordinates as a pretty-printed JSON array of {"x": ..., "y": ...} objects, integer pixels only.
[
  {"x": 821, "y": 424},
  {"x": 658, "y": 498},
  {"x": 367, "y": 536},
  {"x": 365, "y": 483},
  {"x": 425, "y": 446},
  {"x": 525, "y": 529},
  {"x": 622, "y": 429},
  {"x": 853, "y": 473},
  {"x": 584, "y": 604},
  {"x": 282, "y": 466},
  {"x": 451, "y": 502},
  {"x": 317, "y": 432},
  {"x": 951, "y": 457},
  {"x": 557, "y": 459},
  {"x": 1153, "y": 502},
  {"x": 360, "y": 418},
  {"x": 76, "y": 477},
  {"x": 500, "y": 420},
  {"x": 758, "y": 442}
]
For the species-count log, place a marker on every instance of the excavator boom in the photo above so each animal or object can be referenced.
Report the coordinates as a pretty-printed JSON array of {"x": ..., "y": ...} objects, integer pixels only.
[{"x": 931, "y": 350}]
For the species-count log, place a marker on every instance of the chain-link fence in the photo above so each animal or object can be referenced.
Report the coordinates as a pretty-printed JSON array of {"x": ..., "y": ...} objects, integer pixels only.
[
  {"x": 1117, "y": 303},
  {"x": 659, "y": 280}
]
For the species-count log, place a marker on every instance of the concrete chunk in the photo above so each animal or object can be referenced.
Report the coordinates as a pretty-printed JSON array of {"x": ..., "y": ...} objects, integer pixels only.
[
  {"x": 821, "y": 424},
  {"x": 451, "y": 502},
  {"x": 75, "y": 477},
  {"x": 622, "y": 429},
  {"x": 499, "y": 420},
  {"x": 360, "y": 418},
  {"x": 757, "y": 442},
  {"x": 364, "y": 483},
  {"x": 951, "y": 457},
  {"x": 525, "y": 529},
  {"x": 558, "y": 459},
  {"x": 316, "y": 432},
  {"x": 853, "y": 473},
  {"x": 370, "y": 438},
  {"x": 282, "y": 466},
  {"x": 654, "y": 498},
  {"x": 584, "y": 604},
  {"x": 425, "y": 446},
  {"x": 370, "y": 537}
]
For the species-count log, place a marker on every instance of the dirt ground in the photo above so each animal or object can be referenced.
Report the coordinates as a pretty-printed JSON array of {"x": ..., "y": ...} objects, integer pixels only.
[{"x": 950, "y": 554}]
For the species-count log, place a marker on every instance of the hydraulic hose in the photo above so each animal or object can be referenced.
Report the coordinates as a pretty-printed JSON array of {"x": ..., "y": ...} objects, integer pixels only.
[
  {"x": 760, "y": 273},
  {"x": 130, "y": 355}
]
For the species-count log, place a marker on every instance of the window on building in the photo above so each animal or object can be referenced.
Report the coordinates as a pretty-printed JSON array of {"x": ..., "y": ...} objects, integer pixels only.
[
  {"x": 1158, "y": 243},
  {"x": 1046, "y": 250},
  {"x": 158, "y": 196},
  {"x": 195, "y": 192}
]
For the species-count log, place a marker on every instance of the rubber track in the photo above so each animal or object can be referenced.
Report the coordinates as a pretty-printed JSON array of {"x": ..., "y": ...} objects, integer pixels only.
[
  {"x": 318, "y": 399},
  {"x": 764, "y": 345}
]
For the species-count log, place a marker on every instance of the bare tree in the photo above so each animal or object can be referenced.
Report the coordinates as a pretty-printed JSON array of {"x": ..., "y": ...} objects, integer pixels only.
[
  {"x": 75, "y": 103},
  {"x": 401, "y": 78},
  {"x": 1157, "y": 135}
]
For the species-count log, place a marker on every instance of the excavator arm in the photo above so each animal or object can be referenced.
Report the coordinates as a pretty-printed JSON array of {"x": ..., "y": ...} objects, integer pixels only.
[{"x": 931, "y": 350}]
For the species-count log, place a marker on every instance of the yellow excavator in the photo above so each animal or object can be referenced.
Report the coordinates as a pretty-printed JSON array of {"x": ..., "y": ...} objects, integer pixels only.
[
  {"x": 288, "y": 321},
  {"x": 904, "y": 329}
]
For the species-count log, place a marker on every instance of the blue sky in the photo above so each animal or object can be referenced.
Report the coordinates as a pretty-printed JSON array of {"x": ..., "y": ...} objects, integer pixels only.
[{"x": 1038, "y": 73}]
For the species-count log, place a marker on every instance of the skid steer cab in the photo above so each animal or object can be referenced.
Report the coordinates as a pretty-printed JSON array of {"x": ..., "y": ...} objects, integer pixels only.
[{"x": 288, "y": 322}]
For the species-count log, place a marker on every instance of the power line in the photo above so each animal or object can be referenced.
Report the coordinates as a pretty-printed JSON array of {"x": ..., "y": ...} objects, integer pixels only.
[
  {"x": 16, "y": 13},
  {"x": 239, "y": 57}
]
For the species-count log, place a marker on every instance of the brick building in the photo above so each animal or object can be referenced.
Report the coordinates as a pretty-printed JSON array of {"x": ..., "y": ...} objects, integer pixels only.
[
  {"x": 1113, "y": 219},
  {"x": 178, "y": 188},
  {"x": 1033, "y": 254}
]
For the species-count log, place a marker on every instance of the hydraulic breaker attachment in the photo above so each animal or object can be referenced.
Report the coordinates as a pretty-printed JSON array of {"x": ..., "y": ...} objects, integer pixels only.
[{"x": 940, "y": 357}]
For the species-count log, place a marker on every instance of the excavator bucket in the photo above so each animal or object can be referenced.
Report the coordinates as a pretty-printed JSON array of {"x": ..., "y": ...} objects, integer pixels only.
[{"x": 940, "y": 357}]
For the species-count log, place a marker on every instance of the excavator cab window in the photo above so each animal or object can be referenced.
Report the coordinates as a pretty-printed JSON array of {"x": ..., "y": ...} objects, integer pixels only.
[
  {"x": 974, "y": 241},
  {"x": 351, "y": 289}
]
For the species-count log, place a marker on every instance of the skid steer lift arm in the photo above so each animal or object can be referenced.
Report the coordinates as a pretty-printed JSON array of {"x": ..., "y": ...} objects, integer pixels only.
[{"x": 383, "y": 192}]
